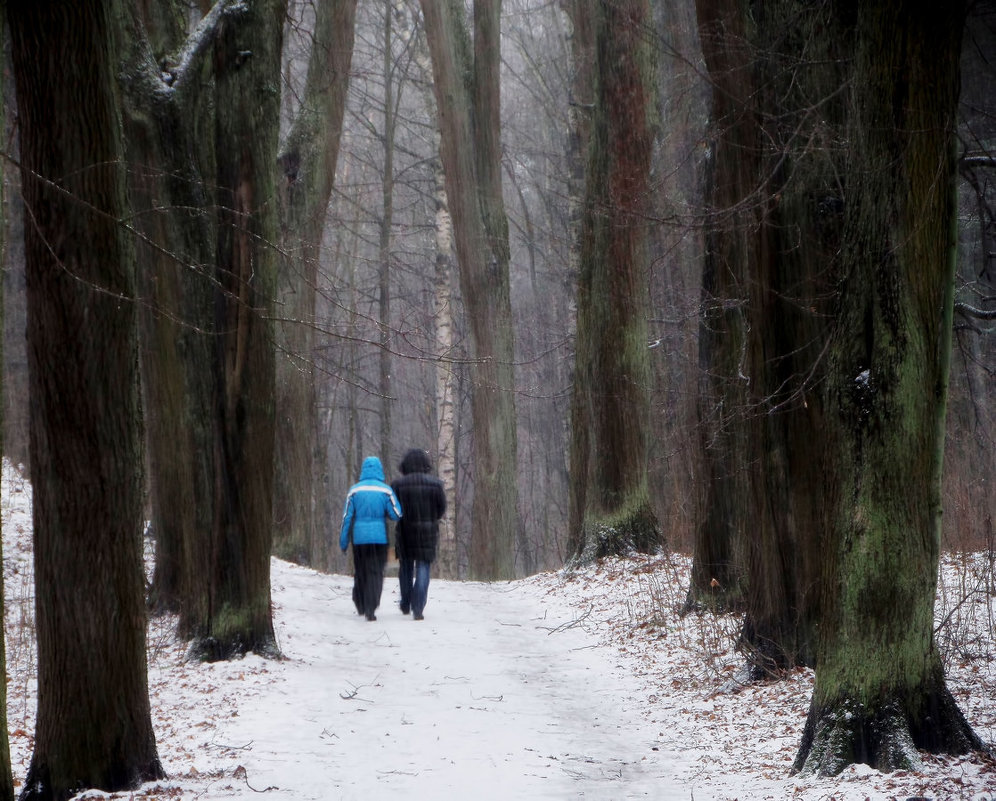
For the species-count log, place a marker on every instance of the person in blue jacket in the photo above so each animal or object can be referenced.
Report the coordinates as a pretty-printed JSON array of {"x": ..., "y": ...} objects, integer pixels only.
[{"x": 370, "y": 503}]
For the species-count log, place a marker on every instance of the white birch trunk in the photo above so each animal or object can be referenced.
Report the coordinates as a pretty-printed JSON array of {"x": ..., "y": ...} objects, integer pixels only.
[{"x": 446, "y": 435}]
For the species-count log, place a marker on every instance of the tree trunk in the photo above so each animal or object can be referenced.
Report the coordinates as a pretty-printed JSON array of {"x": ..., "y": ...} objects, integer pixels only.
[
  {"x": 611, "y": 407},
  {"x": 384, "y": 244},
  {"x": 94, "y": 727},
  {"x": 307, "y": 171},
  {"x": 719, "y": 557},
  {"x": 467, "y": 99},
  {"x": 236, "y": 568},
  {"x": 6, "y": 776},
  {"x": 880, "y": 686},
  {"x": 446, "y": 436},
  {"x": 169, "y": 206},
  {"x": 766, "y": 290},
  {"x": 582, "y": 90},
  {"x": 800, "y": 58}
]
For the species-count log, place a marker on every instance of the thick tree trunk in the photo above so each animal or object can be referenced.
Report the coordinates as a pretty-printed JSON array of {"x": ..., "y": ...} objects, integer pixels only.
[
  {"x": 236, "y": 568},
  {"x": 611, "y": 407},
  {"x": 719, "y": 558},
  {"x": 880, "y": 687},
  {"x": 580, "y": 118},
  {"x": 800, "y": 58},
  {"x": 307, "y": 171},
  {"x": 467, "y": 100},
  {"x": 766, "y": 289},
  {"x": 169, "y": 206},
  {"x": 94, "y": 727}
]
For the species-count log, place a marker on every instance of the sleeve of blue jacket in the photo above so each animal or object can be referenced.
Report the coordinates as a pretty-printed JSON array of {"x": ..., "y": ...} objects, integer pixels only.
[
  {"x": 394, "y": 511},
  {"x": 347, "y": 521}
]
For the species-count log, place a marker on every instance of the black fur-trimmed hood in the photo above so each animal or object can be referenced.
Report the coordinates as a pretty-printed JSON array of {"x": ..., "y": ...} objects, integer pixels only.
[{"x": 415, "y": 461}]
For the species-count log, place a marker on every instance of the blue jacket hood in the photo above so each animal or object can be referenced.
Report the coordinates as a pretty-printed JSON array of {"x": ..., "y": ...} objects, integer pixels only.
[{"x": 372, "y": 468}]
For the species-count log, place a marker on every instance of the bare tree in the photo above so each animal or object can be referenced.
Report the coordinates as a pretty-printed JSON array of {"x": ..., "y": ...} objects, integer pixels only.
[
  {"x": 466, "y": 84},
  {"x": 610, "y": 500},
  {"x": 800, "y": 67},
  {"x": 731, "y": 246},
  {"x": 6, "y": 777},
  {"x": 209, "y": 343},
  {"x": 163, "y": 108},
  {"x": 880, "y": 686},
  {"x": 235, "y": 568},
  {"x": 307, "y": 165},
  {"x": 94, "y": 727}
]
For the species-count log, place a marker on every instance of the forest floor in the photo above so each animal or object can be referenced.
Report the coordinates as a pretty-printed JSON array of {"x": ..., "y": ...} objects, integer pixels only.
[{"x": 558, "y": 686}]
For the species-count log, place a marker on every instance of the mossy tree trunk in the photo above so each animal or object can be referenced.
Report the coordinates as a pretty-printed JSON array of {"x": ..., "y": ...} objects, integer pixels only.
[
  {"x": 94, "y": 726},
  {"x": 307, "y": 166},
  {"x": 880, "y": 692},
  {"x": 611, "y": 509},
  {"x": 466, "y": 85},
  {"x": 235, "y": 573}
]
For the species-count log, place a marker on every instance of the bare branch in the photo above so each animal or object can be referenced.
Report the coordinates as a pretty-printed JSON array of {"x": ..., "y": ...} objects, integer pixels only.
[{"x": 972, "y": 311}]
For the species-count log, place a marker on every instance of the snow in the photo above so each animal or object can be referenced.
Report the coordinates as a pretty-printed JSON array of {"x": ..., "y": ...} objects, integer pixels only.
[{"x": 585, "y": 686}]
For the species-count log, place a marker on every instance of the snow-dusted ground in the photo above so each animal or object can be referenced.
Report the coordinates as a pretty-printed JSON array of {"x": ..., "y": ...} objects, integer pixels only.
[{"x": 553, "y": 687}]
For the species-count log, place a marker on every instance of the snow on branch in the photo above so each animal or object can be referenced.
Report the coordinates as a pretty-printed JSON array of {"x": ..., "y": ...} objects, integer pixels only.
[
  {"x": 183, "y": 62},
  {"x": 973, "y": 160}
]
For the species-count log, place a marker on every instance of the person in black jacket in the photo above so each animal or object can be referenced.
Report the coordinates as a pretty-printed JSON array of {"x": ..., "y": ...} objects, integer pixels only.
[{"x": 423, "y": 503}]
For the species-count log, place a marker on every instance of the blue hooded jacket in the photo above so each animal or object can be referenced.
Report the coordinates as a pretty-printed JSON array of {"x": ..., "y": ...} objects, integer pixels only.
[{"x": 369, "y": 503}]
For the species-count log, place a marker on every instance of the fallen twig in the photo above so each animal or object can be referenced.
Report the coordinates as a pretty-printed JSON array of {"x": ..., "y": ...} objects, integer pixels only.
[{"x": 240, "y": 773}]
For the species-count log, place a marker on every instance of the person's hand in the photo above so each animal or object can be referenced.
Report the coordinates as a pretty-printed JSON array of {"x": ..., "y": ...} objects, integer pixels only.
[{"x": 344, "y": 550}]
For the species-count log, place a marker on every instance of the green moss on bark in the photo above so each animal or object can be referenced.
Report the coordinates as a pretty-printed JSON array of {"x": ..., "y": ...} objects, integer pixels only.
[{"x": 632, "y": 528}]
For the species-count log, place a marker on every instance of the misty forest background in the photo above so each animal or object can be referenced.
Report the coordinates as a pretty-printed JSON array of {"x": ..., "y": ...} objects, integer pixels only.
[{"x": 367, "y": 314}]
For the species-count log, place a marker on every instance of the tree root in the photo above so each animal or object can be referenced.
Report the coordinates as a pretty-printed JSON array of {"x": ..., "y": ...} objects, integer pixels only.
[{"x": 887, "y": 738}]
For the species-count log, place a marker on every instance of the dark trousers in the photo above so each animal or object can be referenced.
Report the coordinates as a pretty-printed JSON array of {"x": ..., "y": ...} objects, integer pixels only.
[
  {"x": 413, "y": 576},
  {"x": 368, "y": 577}
]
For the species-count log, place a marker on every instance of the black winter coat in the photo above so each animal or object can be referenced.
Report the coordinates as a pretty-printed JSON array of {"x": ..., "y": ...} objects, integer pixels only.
[{"x": 423, "y": 503}]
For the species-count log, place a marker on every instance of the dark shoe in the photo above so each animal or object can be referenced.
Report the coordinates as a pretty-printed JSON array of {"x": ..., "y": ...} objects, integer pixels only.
[
  {"x": 405, "y": 610},
  {"x": 371, "y": 616},
  {"x": 417, "y": 616}
]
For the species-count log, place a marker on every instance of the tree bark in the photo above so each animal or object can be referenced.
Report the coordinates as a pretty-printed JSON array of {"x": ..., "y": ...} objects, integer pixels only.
[
  {"x": 766, "y": 293},
  {"x": 307, "y": 167},
  {"x": 170, "y": 208},
  {"x": 446, "y": 436},
  {"x": 235, "y": 569},
  {"x": 611, "y": 406},
  {"x": 466, "y": 86},
  {"x": 800, "y": 63},
  {"x": 719, "y": 555},
  {"x": 880, "y": 690},
  {"x": 384, "y": 243},
  {"x": 6, "y": 776},
  {"x": 94, "y": 727}
]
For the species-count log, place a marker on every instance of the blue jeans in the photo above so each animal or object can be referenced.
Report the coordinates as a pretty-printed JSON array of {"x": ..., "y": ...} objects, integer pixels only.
[{"x": 414, "y": 578}]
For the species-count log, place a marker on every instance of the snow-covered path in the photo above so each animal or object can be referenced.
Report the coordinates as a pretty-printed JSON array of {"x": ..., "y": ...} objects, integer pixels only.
[
  {"x": 587, "y": 685},
  {"x": 488, "y": 697}
]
